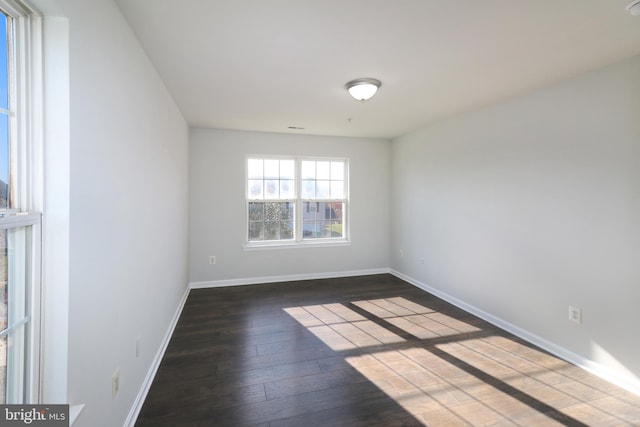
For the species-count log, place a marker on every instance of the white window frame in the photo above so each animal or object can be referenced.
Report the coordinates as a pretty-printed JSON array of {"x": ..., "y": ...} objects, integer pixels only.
[
  {"x": 26, "y": 124},
  {"x": 298, "y": 241}
]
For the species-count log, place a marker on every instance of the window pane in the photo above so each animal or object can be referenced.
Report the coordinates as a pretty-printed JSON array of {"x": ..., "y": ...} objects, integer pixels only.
[
  {"x": 16, "y": 368},
  {"x": 287, "y": 211},
  {"x": 287, "y": 189},
  {"x": 308, "y": 189},
  {"x": 310, "y": 210},
  {"x": 321, "y": 229},
  {"x": 308, "y": 169},
  {"x": 4, "y": 119},
  {"x": 271, "y": 189},
  {"x": 14, "y": 259},
  {"x": 272, "y": 168},
  {"x": 4, "y": 276},
  {"x": 325, "y": 211},
  {"x": 255, "y": 231},
  {"x": 337, "y": 189},
  {"x": 17, "y": 243},
  {"x": 4, "y": 161},
  {"x": 309, "y": 230},
  {"x": 323, "y": 189},
  {"x": 254, "y": 169},
  {"x": 332, "y": 211},
  {"x": 272, "y": 211},
  {"x": 271, "y": 179},
  {"x": 322, "y": 220},
  {"x": 286, "y": 232},
  {"x": 326, "y": 229},
  {"x": 336, "y": 229},
  {"x": 337, "y": 171},
  {"x": 337, "y": 209},
  {"x": 3, "y": 369},
  {"x": 255, "y": 189},
  {"x": 271, "y": 221},
  {"x": 323, "y": 170},
  {"x": 328, "y": 177},
  {"x": 4, "y": 74},
  {"x": 272, "y": 230},
  {"x": 256, "y": 211},
  {"x": 287, "y": 169}
]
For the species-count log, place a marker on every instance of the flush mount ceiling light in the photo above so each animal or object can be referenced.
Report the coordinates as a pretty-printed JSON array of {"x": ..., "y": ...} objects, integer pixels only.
[
  {"x": 634, "y": 8},
  {"x": 363, "y": 89}
]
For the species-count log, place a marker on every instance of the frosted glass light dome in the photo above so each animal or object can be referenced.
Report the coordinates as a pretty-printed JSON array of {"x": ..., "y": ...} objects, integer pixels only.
[{"x": 363, "y": 89}]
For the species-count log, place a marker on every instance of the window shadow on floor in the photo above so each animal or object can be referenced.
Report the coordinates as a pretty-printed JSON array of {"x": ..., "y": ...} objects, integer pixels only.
[{"x": 447, "y": 371}]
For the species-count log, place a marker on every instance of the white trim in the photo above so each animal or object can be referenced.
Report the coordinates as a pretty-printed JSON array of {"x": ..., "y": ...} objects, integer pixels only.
[
  {"x": 287, "y": 278},
  {"x": 56, "y": 220},
  {"x": 153, "y": 369},
  {"x": 279, "y": 244},
  {"x": 630, "y": 384}
]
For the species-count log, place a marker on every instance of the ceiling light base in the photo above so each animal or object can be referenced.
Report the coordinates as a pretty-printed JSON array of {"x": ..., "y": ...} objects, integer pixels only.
[{"x": 634, "y": 8}]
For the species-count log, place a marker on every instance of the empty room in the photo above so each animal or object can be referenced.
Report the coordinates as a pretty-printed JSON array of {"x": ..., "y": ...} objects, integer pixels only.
[{"x": 354, "y": 213}]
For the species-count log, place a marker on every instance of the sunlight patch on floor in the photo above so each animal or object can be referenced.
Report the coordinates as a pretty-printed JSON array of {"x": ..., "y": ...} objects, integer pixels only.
[
  {"x": 461, "y": 377},
  {"x": 341, "y": 328}
]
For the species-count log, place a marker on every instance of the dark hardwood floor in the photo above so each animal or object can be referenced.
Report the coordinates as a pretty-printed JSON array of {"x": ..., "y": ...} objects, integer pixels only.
[{"x": 363, "y": 351}]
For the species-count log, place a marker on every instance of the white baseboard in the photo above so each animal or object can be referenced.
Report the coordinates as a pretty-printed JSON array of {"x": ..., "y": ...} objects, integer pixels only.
[
  {"x": 153, "y": 369},
  {"x": 285, "y": 278},
  {"x": 630, "y": 384}
]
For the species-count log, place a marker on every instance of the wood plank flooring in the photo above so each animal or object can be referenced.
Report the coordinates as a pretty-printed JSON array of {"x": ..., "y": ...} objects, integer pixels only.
[{"x": 363, "y": 351}]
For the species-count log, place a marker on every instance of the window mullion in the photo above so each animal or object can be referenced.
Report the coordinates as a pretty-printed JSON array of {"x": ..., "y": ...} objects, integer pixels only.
[{"x": 298, "y": 184}]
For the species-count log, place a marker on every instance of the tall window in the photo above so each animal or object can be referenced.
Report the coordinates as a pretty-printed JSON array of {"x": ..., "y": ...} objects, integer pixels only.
[
  {"x": 296, "y": 200},
  {"x": 19, "y": 223}
]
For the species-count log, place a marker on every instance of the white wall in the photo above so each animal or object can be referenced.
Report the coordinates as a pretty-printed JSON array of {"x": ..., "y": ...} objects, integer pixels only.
[
  {"x": 519, "y": 209},
  {"x": 128, "y": 235},
  {"x": 526, "y": 207},
  {"x": 217, "y": 201}
]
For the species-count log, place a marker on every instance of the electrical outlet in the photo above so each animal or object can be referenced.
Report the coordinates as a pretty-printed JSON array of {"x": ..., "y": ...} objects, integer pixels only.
[
  {"x": 421, "y": 260},
  {"x": 575, "y": 314},
  {"x": 212, "y": 259},
  {"x": 401, "y": 253},
  {"x": 115, "y": 383}
]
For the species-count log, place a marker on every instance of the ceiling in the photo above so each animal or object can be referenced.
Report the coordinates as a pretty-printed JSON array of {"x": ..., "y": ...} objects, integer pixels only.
[{"x": 270, "y": 65}]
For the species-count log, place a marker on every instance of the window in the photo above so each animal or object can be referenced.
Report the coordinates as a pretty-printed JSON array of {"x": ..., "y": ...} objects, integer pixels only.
[
  {"x": 296, "y": 201},
  {"x": 19, "y": 223}
]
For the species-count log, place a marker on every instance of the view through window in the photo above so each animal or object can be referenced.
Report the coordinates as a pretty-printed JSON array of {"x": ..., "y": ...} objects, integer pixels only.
[{"x": 5, "y": 112}]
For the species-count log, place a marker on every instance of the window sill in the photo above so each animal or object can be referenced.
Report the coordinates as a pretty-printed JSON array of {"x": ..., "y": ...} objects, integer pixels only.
[{"x": 294, "y": 245}]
